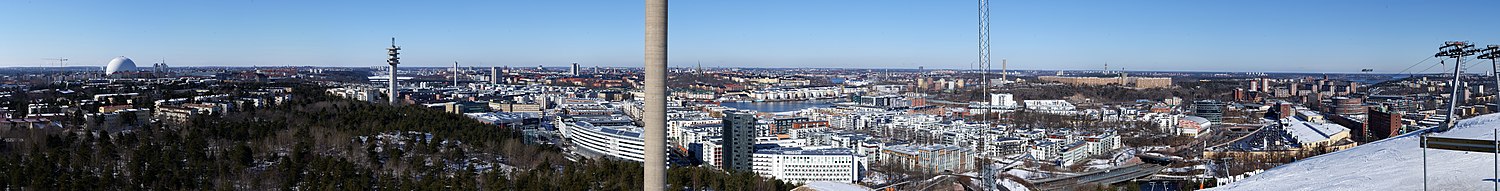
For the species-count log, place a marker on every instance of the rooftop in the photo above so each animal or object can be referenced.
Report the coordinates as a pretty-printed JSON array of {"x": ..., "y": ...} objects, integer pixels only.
[
  {"x": 1309, "y": 132},
  {"x": 632, "y": 132},
  {"x": 806, "y": 151}
]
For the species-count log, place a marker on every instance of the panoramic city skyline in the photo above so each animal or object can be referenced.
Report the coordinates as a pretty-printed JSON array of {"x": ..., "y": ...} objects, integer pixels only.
[
  {"x": 765, "y": 96},
  {"x": 1338, "y": 37}
]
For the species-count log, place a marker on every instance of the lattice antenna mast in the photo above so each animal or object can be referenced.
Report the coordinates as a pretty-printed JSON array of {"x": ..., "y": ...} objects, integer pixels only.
[
  {"x": 61, "y": 62},
  {"x": 984, "y": 51}
]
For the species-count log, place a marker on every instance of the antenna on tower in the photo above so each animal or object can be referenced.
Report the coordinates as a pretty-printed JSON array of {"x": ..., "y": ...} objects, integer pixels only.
[{"x": 61, "y": 62}]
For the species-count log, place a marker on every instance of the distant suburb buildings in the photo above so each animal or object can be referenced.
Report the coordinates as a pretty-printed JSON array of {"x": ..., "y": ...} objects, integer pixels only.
[{"x": 1137, "y": 82}]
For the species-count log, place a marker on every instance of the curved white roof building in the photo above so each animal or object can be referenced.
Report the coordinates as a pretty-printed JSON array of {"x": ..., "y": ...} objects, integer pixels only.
[
  {"x": 622, "y": 142},
  {"x": 119, "y": 64}
]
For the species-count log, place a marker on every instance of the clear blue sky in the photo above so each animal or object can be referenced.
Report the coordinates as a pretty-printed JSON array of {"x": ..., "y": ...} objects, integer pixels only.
[{"x": 1311, "y": 36}]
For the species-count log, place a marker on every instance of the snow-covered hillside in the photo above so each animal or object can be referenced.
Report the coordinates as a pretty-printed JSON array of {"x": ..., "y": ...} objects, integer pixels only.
[{"x": 1391, "y": 164}]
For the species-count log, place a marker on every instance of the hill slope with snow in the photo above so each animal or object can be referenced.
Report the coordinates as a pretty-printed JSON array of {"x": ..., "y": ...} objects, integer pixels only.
[{"x": 1391, "y": 164}]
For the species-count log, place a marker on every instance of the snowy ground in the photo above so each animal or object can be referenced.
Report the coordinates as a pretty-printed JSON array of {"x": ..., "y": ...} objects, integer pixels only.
[
  {"x": 1023, "y": 173},
  {"x": 1013, "y": 185},
  {"x": 1155, "y": 148},
  {"x": 874, "y": 178},
  {"x": 1034, "y": 174},
  {"x": 970, "y": 174},
  {"x": 1098, "y": 164},
  {"x": 833, "y": 186},
  {"x": 1120, "y": 157},
  {"x": 1391, "y": 164},
  {"x": 1179, "y": 170}
]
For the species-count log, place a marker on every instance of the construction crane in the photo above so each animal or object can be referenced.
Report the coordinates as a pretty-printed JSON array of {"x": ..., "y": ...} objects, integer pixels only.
[{"x": 61, "y": 62}]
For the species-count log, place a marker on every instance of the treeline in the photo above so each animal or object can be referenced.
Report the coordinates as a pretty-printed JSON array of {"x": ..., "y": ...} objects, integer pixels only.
[{"x": 320, "y": 142}]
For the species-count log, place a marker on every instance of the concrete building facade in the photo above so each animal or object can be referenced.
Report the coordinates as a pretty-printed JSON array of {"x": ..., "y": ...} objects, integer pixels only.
[
  {"x": 738, "y": 140},
  {"x": 801, "y": 165}
]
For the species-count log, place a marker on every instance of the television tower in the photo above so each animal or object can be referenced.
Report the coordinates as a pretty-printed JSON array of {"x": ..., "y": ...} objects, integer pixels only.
[{"x": 394, "y": 60}]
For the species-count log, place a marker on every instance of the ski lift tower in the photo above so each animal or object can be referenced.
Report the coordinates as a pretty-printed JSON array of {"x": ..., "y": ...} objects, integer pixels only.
[
  {"x": 1492, "y": 52},
  {"x": 1456, "y": 50}
]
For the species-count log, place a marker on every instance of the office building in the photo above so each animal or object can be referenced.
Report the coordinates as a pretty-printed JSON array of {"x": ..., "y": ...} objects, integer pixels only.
[
  {"x": 1381, "y": 125},
  {"x": 1213, "y": 110},
  {"x": 574, "y": 71},
  {"x": 495, "y": 75},
  {"x": 1348, "y": 106},
  {"x": 738, "y": 140}
]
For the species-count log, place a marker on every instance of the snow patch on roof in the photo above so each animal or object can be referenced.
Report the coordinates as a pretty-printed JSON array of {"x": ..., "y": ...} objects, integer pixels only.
[{"x": 1309, "y": 132}]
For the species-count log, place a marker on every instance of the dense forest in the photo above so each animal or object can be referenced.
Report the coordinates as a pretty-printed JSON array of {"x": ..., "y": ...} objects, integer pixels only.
[{"x": 319, "y": 142}]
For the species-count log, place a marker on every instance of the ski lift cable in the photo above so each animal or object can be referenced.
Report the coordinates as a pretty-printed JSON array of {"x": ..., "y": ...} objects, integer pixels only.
[{"x": 1415, "y": 65}]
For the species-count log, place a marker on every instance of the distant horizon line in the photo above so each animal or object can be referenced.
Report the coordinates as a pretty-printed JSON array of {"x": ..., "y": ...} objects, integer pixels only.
[{"x": 777, "y": 68}]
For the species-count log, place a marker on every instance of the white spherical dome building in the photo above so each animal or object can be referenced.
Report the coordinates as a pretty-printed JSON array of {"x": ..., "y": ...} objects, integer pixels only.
[{"x": 119, "y": 64}]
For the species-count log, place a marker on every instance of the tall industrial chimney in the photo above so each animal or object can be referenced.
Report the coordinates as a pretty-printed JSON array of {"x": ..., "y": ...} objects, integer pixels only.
[
  {"x": 455, "y": 74},
  {"x": 656, "y": 95}
]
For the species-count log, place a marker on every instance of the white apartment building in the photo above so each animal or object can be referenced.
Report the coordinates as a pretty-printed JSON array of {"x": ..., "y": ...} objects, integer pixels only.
[
  {"x": 807, "y": 164},
  {"x": 1050, "y": 106},
  {"x": 1004, "y": 101}
]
